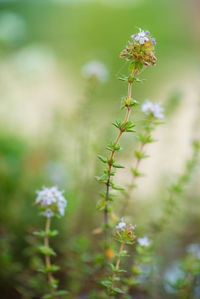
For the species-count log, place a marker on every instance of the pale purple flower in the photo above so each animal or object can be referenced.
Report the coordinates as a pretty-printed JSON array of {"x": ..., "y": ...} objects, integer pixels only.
[
  {"x": 133, "y": 227},
  {"x": 153, "y": 41},
  {"x": 95, "y": 69},
  {"x": 121, "y": 224},
  {"x": 152, "y": 108},
  {"x": 51, "y": 196},
  {"x": 144, "y": 241},
  {"x": 141, "y": 37}
]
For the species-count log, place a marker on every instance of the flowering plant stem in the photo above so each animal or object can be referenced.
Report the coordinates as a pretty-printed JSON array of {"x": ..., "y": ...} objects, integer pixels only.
[
  {"x": 47, "y": 257},
  {"x": 106, "y": 211}
]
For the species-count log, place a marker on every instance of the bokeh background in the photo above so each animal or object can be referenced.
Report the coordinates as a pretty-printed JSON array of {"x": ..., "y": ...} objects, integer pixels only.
[{"x": 53, "y": 124}]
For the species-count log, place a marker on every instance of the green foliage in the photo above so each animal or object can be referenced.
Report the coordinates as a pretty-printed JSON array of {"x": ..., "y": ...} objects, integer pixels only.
[{"x": 46, "y": 251}]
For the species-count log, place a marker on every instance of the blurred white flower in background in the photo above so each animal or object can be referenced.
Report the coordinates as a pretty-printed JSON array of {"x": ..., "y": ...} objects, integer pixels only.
[
  {"x": 152, "y": 108},
  {"x": 195, "y": 249},
  {"x": 12, "y": 27},
  {"x": 35, "y": 60},
  {"x": 144, "y": 241},
  {"x": 95, "y": 69}
]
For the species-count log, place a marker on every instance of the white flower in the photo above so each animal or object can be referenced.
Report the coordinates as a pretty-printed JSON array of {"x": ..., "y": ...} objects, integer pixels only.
[
  {"x": 152, "y": 108},
  {"x": 53, "y": 200},
  {"x": 95, "y": 69},
  {"x": 121, "y": 224},
  {"x": 142, "y": 37},
  {"x": 48, "y": 213},
  {"x": 144, "y": 241}
]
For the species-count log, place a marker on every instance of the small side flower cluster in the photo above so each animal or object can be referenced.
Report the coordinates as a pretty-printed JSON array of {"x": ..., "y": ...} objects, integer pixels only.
[
  {"x": 153, "y": 109},
  {"x": 125, "y": 232},
  {"x": 51, "y": 202},
  {"x": 140, "y": 50}
]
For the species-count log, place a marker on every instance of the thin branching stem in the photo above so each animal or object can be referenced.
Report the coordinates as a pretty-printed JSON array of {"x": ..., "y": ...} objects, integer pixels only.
[{"x": 106, "y": 211}]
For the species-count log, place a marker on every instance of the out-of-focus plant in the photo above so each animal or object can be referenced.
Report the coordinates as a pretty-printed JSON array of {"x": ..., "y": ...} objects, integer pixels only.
[
  {"x": 141, "y": 258},
  {"x": 177, "y": 189},
  {"x": 153, "y": 112},
  {"x": 52, "y": 204},
  {"x": 185, "y": 282}
]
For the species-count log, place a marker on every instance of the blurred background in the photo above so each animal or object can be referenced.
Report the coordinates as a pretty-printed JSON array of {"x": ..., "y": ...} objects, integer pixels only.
[{"x": 54, "y": 122}]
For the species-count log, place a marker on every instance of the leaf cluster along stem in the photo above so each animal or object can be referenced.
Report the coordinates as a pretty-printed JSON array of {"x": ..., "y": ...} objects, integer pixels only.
[
  {"x": 47, "y": 257},
  {"x": 106, "y": 217}
]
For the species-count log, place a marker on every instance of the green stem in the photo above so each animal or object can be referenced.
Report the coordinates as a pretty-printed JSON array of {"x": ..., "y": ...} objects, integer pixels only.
[
  {"x": 116, "y": 268},
  {"x": 47, "y": 257},
  {"x": 106, "y": 211}
]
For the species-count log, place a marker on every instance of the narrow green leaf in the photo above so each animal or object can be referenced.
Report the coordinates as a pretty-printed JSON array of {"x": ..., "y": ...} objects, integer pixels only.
[
  {"x": 103, "y": 159},
  {"x": 117, "y": 165}
]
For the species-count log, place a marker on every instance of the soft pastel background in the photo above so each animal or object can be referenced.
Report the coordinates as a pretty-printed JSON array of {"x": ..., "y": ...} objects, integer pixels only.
[{"x": 52, "y": 126}]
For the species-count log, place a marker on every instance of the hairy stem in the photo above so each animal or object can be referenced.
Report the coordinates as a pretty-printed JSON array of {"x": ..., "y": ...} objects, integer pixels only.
[
  {"x": 106, "y": 214},
  {"x": 47, "y": 257}
]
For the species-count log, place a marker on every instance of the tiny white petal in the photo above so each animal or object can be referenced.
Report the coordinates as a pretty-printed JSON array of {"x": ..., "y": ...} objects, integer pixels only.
[
  {"x": 144, "y": 241},
  {"x": 152, "y": 108}
]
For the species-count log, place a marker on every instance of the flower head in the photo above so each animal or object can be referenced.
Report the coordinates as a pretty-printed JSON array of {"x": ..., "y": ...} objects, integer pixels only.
[
  {"x": 125, "y": 232},
  {"x": 154, "y": 109},
  {"x": 51, "y": 201},
  {"x": 142, "y": 37},
  {"x": 121, "y": 224},
  {"x": 140, "y": 50},
  {"x": 95, "y": 69},
  {"x": 144, "y": 241}
]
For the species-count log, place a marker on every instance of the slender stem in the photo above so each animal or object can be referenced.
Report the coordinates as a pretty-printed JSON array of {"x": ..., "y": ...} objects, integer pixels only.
[
  {"x": 47, "y": 257},
  {"x": 116, "y": 267},
  {"x": 106, "y": 214},
  {"x": 131, "y": 186}
]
